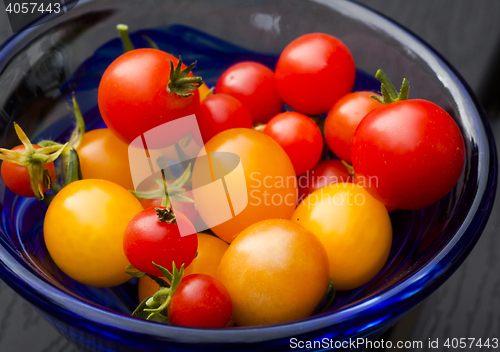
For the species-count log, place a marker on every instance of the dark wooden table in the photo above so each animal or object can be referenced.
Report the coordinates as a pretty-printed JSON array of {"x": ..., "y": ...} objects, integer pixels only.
[{"x": 467, "y": 34}]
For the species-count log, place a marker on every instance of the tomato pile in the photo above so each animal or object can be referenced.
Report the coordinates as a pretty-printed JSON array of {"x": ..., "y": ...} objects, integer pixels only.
[{"x": 310, "y": 224}]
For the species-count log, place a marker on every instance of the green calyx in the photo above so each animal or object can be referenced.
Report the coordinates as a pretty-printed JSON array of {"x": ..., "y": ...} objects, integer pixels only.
[
  {"x": 127, "y": 43},
  {"x": 34, "y": 160},
  {"x": 180, "y": 83},
  {"x": 154, "y": 308},
  {"x": 69, "y": 170},
  {"x": 389, "y": 93},
  {"x": 167, "y": 192}
]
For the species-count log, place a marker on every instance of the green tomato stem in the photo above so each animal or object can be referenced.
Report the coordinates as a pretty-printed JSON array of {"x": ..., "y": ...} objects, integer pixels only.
[
  {"x": 389, "y": 93},
  {"x": 77, "y": 135},
  {"x": 150, "y": 41},
  {"x": 179, "y": 81},
  {"x": 127, "y": 43},
  {"x": 349, "y": 168}
]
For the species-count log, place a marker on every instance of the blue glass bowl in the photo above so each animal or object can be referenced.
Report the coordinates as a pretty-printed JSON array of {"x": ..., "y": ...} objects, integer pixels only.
[{"x": 40, "y": 67}]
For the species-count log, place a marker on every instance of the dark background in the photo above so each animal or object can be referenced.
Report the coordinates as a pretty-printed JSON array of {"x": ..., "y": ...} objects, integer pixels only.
[{"x": 467, "y": 34}]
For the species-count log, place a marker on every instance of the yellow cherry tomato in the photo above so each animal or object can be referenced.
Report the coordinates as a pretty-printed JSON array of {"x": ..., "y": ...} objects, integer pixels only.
[
  {"x": 84, "y": 228},
  {"x": 210, "y": 252},
  {"x": 104, "y": 156},
  {"x": 275, "y": 271},
  {"x": 264, "y": 186},
  {"x": 355, "y": 229}
]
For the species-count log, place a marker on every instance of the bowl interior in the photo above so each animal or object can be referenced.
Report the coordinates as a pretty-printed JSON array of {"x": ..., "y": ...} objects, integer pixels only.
[{"x": 40, "y": 68}]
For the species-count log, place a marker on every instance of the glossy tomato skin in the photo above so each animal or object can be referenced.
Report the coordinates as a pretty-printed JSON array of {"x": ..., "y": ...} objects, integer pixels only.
[
  {"x": 148, "y": 240},
  {"x": 254, "y": 85},
  {"x": 17, "y": 177},
  {"x": 200, "y": 301},
  {"x": 353, "y": 226},
  {"x": 104, "y": 156},
  {"x": 210, "y": 252},
  {"x": 270, "y": 184},
  {"x": 323, "y": 174},
  {"x": 299, "y": 136},
  {"x": 133, "y": 96},
  {"x": 343, "y": 119},
  {"x": 83, "y": 231},
  {"x": 313, "y": 72},
  {"x": 220, "y": 112},
  {"x": 263, "y": 266},
  {"x": 412, "y": 149}
]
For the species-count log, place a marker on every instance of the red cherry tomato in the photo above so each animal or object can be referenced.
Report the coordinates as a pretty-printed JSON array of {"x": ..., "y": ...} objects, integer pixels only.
[
  {"x": 186, "y": 208},
  {"x": 323, "y": 174},
  {"x": 17, "y": 177},
  {"x": 410, "y": 153},
  {"x": 148, "y": 240},
  {"x": 220, "y": 112},
  {"x": 342, "y": 120},
  {"x": 299, "y": 136},
  {"x": 133, "y": 96},
  {"x": 200, "y": 301},
  {"x": 313, "y": 72},
  {"x": 254, "y": 85}
]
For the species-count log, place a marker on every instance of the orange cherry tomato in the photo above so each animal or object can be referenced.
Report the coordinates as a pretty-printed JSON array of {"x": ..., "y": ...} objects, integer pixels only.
[
  {"x": 104, "y": 156},
  {"x": 275, "y": 271},
  {"x": 264, "y": 187},
  {"x": 354, "y": 227},
  {"x": 210, "y": 252}
]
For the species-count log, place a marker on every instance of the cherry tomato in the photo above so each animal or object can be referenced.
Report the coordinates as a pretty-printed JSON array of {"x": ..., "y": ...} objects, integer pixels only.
[
  {"x": 17, "y": 177},
  {"x": 221, "y": 112},
  {"x": 83, "y": 231},
  {"x": 263, "y": 187},
  {"x": 355, "y": 229},
  {"x": 261, "y": 267},
  {"x": 299, "y": 136},
  {"x": 254, "y": 85},
  {"x": 411, "y": 153},
  {"x": 104, "y": 156},
  {"x": 200, "y": 301},
  {"x": 342, "y": 120},
  {"x": 313, "y": 72},
  {"x": 133, "y": 96},
  {"x": 186, "y": 208},
  {"x": 210, "y": 252},
  {"x": 323, "y": 174},
  {"x": 147, "y": 240}
]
